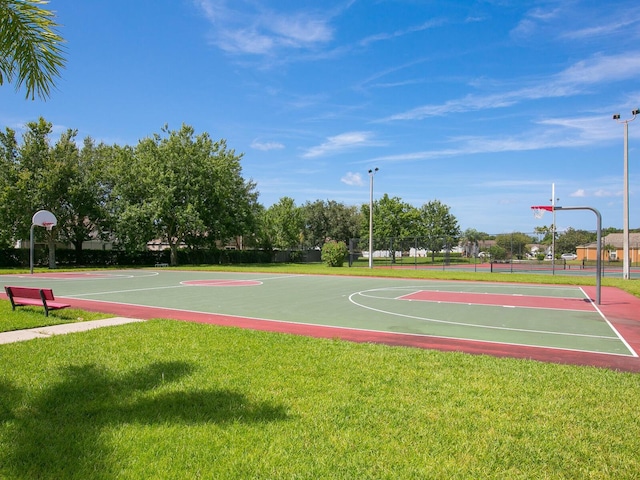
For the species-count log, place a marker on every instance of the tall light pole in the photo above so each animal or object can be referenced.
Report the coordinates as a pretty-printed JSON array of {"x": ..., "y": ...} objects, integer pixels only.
[
  {"x": 371, "y": 175},
  {"x": 553, "y": 229},
  {"x": 625, "y": 208}
]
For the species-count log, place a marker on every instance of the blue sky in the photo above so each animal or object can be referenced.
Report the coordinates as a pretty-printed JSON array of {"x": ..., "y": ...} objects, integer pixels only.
[{"x": 482, "y": 105}]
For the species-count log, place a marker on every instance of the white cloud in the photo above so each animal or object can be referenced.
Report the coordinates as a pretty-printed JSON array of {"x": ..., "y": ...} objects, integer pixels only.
[
  {"x": 339, "y": 143},
  {"x": 266, "y": 146},
  {"x": 354, "y": 179},
  {"x": 602, "y": 68},
  {"x": 400, "y": 33},
  {"x": 562, "y": 133},
  {"x": 606, "y": 193},
  {"x": 578, "y": 193},
  {"x": 300, "y": 29},
  {"x": 615, "y": 22},
  {"x": 259, "y": 31},
  {"x": 569, "y": 82}
]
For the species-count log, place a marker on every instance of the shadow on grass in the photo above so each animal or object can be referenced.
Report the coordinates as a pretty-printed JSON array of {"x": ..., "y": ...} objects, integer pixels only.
[{"x": 56, "y": 432}]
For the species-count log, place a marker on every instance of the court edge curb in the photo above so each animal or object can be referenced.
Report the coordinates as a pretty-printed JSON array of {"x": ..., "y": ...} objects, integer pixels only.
[{"x": 45, "y": 332}]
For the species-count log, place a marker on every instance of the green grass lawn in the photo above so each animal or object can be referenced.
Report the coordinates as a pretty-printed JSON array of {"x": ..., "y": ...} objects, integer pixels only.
[
  {"x": 168, "y": 399},
  {"x": 33, "y": 317}
]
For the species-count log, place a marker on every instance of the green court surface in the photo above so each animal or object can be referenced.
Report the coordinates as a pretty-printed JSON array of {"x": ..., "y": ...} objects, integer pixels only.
[{"x": 512, "y": 315}]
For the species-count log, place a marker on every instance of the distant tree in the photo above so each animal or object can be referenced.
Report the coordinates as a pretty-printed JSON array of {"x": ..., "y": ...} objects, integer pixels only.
[
  {"x": 10, "y": 200},
  {"x": 284, "y": 224},
  {"x": 438, "y": 227},
  {"x": 393, "y": 219},
  {"x": 470, "y": 241},
  {"x": 82, "y": 209},
  {"x": 181, "y": 188},
  {"x": 30, "y": 48},
  {"x": 496, "y": 252},
  {"x": 329, "y": 220},
  {"x": 545, "y": 233},
  {"x": 608, "y": 230},
  {"x": 36, "y": 177},
  {"x": 515, "y": 244},
  {"x": 258, "y": 237},
  {"x": 570, "y": 239}
]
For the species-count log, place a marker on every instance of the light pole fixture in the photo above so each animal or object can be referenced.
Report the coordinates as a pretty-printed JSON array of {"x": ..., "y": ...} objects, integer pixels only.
[
  {"x": 625, "y": 200},
  {"x": 372, "y": 173}
]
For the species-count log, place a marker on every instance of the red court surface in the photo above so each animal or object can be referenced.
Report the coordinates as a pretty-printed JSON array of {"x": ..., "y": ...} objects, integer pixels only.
[
  {"x": 621, "y": 309},
  {"x": 522, "y": 301}
]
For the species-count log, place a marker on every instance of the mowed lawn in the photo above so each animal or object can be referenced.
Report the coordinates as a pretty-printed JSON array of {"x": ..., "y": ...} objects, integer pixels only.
[{"x": 175, "y": 400}]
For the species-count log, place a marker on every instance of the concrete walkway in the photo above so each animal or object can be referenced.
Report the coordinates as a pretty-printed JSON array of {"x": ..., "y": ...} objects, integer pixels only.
[{"x": 44, "y": 332}]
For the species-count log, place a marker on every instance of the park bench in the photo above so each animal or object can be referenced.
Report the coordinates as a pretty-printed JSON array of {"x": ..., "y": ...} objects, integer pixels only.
[{"x": 22, "y": 296}]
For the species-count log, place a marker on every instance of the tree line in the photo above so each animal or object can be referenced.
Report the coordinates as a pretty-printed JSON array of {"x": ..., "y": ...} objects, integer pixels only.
[
  {"x": 188, "y": 191},
  {"x": 179, "y": 187}
]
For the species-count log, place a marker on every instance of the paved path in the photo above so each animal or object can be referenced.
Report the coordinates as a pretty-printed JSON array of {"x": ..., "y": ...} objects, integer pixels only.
[{"x": 44, "y": 332}]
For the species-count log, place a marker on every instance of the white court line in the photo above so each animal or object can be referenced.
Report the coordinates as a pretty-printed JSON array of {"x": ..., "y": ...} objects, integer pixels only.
[
  {"x": 615, "y": 330},
  {"x": 123, "y": 291}
]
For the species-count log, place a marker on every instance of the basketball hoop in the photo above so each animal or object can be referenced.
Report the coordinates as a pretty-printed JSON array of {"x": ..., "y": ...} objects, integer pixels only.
[
  {"x": 42, "y": 218},
  {"x": 538, "y": 210}
]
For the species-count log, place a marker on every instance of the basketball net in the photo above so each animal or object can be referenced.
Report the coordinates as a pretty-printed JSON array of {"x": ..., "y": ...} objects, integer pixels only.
[
  {"x": 538, "y": 210},
  {"x": 47, "y": 225}
]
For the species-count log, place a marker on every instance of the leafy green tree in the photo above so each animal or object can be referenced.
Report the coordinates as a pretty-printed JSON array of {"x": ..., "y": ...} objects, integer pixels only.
[
  {"x": 546, "y": 233},
  {"x": 437, "y": 226},
  {"x": 82, "y": 208},
  {"x": 181, "y": 188},
  {"x": 515, "y": 244},
  {"x": 35, "y": 176},
  {"x": 284, "y": 224},
  {"x": 329, "y": 220},
  {"x": 11, "y": 211},
  {"x": 30, "y": 48},
  {"x": 43, "y": 182},
  {"x": 470, "y": 241},
  {"x": 571, "y": 238},
  {"x": 496, "y": 252},
  {"x": 393, "y": 220},
  {"x": 258, "y": 236}
]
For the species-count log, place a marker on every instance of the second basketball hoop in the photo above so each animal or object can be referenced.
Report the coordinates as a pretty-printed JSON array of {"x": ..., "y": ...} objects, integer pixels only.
[{"x": 538, "y": 210}]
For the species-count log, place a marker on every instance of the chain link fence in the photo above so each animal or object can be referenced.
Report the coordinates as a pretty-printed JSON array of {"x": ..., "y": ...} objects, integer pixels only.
[{"x": 504, "y": 253}]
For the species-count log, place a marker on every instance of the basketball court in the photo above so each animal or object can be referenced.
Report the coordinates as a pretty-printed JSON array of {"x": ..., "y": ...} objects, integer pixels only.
[{"x": 542, "y": 322}]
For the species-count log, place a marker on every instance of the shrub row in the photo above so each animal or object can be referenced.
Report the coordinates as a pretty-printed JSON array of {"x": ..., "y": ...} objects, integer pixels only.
[{"x": 17, "y": 257}]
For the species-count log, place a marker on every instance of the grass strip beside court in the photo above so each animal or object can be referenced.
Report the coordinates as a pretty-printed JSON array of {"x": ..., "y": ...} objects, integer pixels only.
[{"x": 167, "y": 399}]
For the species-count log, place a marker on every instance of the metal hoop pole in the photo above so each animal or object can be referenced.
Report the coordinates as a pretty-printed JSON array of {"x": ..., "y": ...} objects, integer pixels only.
[
  {"x": 31, "y": 251},
  {"x": 598, "y": 248},
  {"x": 371, "y": 175}
]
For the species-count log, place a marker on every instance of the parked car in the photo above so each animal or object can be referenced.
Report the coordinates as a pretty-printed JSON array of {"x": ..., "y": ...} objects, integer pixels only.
[{"x": 569, "y": 256}]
